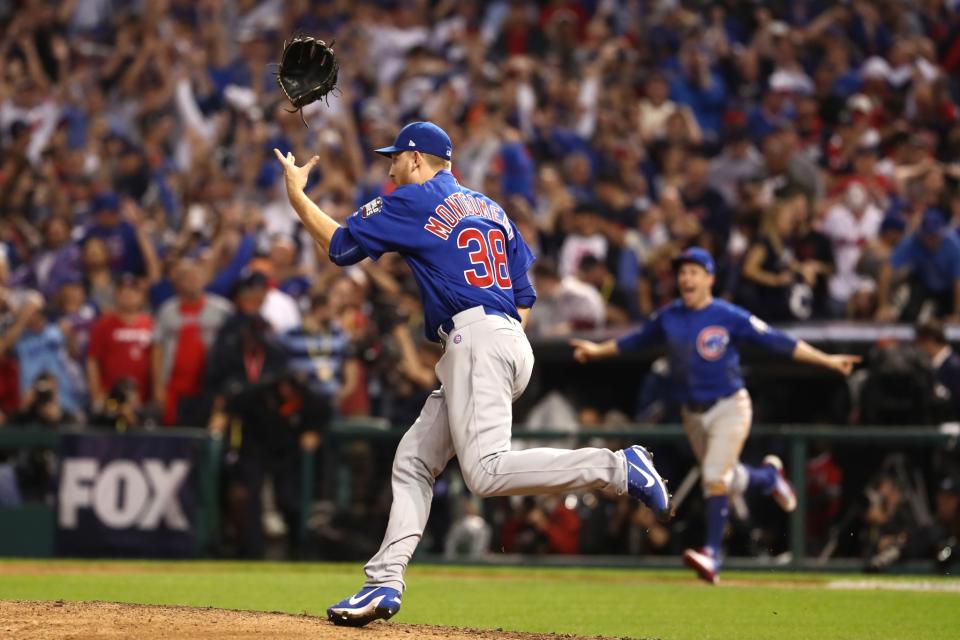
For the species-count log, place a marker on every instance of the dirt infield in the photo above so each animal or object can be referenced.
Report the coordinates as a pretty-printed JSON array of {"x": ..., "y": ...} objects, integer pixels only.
[{"x": 76, "y": 620}]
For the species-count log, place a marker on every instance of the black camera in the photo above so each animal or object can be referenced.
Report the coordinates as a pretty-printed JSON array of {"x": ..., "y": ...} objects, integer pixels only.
[{"x": 43, "y": 391}]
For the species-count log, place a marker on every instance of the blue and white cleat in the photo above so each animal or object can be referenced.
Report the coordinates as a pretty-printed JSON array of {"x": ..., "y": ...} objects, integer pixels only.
[
  {"x": 645, "y": 484},
  {"x": 371, "y": 603}
]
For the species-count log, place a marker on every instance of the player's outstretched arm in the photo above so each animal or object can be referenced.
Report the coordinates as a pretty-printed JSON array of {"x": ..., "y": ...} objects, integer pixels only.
[
  {"x": 320, "y": 225},
  {"x": 842, "y": 363},
  {"x": 585, "y": 351},
  {"x": 650, "y": 334}
]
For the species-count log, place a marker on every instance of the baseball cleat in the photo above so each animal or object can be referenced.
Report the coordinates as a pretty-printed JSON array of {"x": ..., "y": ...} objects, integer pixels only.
[
  {"x": 644, "y": 483},
  {"x": 371, "y": 603},
  {"x": 783, "y": 492},
  {"x": 703, "y": 562}
]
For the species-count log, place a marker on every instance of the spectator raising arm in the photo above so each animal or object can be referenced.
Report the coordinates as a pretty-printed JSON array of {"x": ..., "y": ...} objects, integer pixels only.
[
  {"x": 32, "y": 303},
  {"x": 885, "y": 312},
  {"x": 134, "y": 215}
]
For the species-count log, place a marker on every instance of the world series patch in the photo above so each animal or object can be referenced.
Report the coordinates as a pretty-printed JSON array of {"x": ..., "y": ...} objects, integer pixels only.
[{"x": 371, "y": 208}]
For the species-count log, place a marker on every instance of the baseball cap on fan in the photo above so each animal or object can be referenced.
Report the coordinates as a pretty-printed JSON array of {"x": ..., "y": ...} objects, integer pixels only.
[
  {"x": 105, "y": 202},
  {"x": 424, "y": 137},
  {"x": 932, "y": 223},
  {"x": 695, "y": 255}
]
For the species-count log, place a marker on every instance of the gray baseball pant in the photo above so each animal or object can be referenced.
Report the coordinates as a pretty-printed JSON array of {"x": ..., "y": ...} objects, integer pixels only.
[
  {"x": 717, "y": 438},
  {"x": 486, "y": 365}
]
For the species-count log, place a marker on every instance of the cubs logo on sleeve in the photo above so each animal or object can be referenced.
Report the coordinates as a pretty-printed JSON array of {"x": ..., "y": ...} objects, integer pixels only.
[
  {"x": 371, "y": 208},
  {"x": 712, "y": 342}
]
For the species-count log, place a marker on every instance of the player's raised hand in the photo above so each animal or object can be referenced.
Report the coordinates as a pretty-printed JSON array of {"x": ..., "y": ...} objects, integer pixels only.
[
  {"x": 296, "y": 177},
  {"x": 585, "y": 351},
  {"x": 843, "y": 363}
]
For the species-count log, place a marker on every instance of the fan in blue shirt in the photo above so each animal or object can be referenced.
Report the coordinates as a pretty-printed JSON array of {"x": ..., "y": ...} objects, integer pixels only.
[
  {"x": 931, "y": 256},
  {"x": 702, "y": 336}
]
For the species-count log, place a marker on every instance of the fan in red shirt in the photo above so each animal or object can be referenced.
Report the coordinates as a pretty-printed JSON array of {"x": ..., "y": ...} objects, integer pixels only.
[
  {"x": 544, "y": 526},
  {"x": 824, "y": 487},
  {"x": 120, "y": 344}
]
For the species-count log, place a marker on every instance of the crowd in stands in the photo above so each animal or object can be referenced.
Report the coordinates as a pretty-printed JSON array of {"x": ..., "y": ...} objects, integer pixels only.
[
  {"x": 813, "y": 148},
  {"x": 152, "y": 271}
]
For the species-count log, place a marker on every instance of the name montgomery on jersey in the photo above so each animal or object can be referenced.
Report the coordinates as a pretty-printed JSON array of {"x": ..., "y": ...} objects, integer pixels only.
[{"x": 458, "y": 206}]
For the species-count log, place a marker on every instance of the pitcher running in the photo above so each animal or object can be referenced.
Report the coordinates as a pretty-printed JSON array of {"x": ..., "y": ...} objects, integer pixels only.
[{"x": 471, "y": 265}]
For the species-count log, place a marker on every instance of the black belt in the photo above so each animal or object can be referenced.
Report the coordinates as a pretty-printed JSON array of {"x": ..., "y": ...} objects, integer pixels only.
[{"x": 701, "y": 407}]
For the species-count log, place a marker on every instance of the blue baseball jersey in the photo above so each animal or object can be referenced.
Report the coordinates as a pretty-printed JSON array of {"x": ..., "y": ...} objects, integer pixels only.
[
  {"x": 462, "y": 248},
  {"x": 702, "y": 346},
  {"x": 937, "y": 270}
]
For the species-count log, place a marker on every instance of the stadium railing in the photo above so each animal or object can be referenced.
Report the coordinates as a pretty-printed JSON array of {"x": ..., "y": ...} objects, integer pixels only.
[
  {"x": 799, "y": 438},
  {"x": 29, "y": 529}
]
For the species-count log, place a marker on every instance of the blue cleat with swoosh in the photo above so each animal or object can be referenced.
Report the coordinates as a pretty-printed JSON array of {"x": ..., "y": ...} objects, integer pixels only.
[
  {"x": 645, "y": 484},
  {"x": 371, "y": 603}
]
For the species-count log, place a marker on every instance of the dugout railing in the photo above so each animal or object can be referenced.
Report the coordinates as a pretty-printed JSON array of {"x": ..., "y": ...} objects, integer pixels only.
[
  {"x": 797, "y": 438},
  {"x": 28, "y": 530}
]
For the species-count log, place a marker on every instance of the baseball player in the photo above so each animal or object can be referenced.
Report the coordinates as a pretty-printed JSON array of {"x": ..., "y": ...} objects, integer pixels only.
[
  {"x": 471, "y": 265},
  {"x": 702, "y": 335}
]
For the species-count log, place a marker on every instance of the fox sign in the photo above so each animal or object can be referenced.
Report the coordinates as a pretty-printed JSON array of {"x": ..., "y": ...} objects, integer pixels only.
[{"x": 128, "y": 495}]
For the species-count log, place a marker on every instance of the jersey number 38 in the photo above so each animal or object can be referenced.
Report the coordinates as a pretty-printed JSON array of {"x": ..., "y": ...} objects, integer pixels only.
[{"x": 488, "y": 253}]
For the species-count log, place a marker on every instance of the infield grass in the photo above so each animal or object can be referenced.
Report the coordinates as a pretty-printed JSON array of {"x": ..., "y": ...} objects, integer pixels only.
[{"x": 669, "y": 605}]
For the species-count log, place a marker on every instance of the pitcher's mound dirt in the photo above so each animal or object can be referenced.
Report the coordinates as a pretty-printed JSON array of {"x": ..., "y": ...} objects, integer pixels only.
[{"x": 75, "y": 620}]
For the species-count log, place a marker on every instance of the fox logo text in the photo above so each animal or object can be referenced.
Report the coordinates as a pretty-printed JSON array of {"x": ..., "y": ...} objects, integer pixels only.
[{"x": 124, "y": 493}]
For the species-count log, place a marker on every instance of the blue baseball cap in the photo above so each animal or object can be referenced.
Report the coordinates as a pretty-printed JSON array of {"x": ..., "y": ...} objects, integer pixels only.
[
  {"x": 893, "y": 222},
  {"x": 932, "y": 223},
  {"x": 695, "y": 255},
  {"x": 105, "y": 202},
  {"x": 424, "y": 137}
]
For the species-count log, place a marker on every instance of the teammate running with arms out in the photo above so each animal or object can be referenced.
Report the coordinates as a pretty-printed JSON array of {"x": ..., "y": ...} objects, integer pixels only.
[
  {"x": 701, "y": 335},
  {"x": 471, "y": 265}
]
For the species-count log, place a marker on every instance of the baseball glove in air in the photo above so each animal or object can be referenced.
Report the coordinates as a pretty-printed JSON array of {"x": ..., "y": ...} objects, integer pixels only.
[{"x": 308, "y": 70}]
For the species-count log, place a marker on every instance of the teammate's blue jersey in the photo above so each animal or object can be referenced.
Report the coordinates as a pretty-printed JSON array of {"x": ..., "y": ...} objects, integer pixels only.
[
  {"x": 702, "y": 346},
  {"x": 462, "y": 248}
]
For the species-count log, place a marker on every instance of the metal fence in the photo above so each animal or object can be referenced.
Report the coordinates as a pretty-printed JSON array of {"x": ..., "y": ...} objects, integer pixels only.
[
  {"x": 339, "y": 478},
  {"x": 798, "y": 438}
]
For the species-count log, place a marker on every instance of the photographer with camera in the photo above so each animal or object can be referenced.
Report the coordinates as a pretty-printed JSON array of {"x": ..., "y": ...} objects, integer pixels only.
[
  {"x": 540, "y": 525},
  {"x": 41, "y": 404},
  {"x": 41, "y": 408},
  {"x": 122, "y": 409},
  {"x": 268, "y": 418},
  {"x": 888, "y": 524},
  {"x": 945, "y": 531}
]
